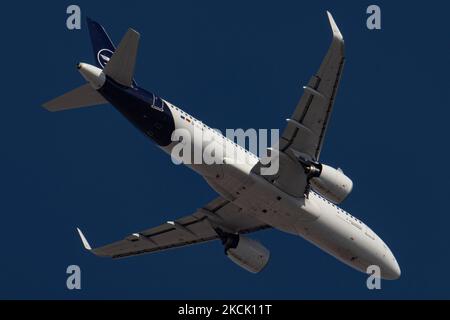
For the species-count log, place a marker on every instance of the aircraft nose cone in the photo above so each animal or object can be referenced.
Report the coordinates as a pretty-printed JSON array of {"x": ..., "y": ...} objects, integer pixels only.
[{"x": 392, "y": 271}]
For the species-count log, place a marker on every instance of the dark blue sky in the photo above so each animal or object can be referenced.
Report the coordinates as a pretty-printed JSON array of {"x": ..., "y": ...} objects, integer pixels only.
[{"x": 232, "y": 65}]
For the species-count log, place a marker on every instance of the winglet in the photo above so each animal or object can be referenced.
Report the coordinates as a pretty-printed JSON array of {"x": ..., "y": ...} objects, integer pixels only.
[
  {"x": 83, "y": 239},
  {"x": 336, "y": 32}
]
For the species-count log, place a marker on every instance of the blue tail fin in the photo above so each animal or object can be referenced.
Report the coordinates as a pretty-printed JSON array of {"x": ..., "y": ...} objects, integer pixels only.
[{"x": 102, "y": 45}]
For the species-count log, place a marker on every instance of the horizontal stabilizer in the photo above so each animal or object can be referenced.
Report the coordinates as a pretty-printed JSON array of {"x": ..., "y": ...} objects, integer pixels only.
[
  {"x": 84, "y": 96},
  {"x": 121, "y": 65}
]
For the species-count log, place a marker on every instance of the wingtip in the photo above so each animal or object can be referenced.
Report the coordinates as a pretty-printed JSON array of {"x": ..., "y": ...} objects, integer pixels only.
[
  {"x": 84, "y": 240},
  {"x": 336, "y": 32}
]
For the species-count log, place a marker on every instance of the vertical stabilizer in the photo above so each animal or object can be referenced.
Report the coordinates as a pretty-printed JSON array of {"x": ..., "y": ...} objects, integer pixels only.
[{"x": 123, "y": 69}]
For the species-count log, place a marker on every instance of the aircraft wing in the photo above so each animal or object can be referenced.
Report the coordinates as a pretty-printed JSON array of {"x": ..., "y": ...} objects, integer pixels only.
[
  {"x": 306, "y": 128},
  {"x": 196, "y": 228}
]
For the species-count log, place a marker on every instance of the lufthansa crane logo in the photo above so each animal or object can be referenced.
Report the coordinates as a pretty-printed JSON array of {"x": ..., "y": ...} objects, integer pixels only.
[{"x": 103, "y": 57}]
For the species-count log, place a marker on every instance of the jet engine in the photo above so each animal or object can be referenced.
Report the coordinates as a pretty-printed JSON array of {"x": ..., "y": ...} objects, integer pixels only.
[
  {"x": 245, "y": 252},
  {"x": 330, "y": 183}
]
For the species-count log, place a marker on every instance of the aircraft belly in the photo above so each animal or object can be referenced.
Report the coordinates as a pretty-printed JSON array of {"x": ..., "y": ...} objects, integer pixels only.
[{"x": 269, "y": 204}]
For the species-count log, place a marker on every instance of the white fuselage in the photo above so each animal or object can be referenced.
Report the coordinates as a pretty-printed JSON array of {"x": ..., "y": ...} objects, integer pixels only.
[{"x": 313, "y": 217}]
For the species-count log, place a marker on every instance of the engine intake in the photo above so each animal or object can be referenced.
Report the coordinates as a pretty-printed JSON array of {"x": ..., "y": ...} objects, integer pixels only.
[{"x": 330, "y": 183}]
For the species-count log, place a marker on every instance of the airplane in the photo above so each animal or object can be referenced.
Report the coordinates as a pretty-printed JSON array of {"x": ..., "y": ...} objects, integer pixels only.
[{"x": 302, "y": 198}]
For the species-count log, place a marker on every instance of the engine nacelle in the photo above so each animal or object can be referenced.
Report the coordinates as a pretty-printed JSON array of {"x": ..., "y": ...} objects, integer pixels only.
[
  {"x": 332, "y": 184},
  {"x": 247, "y": 253}
]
